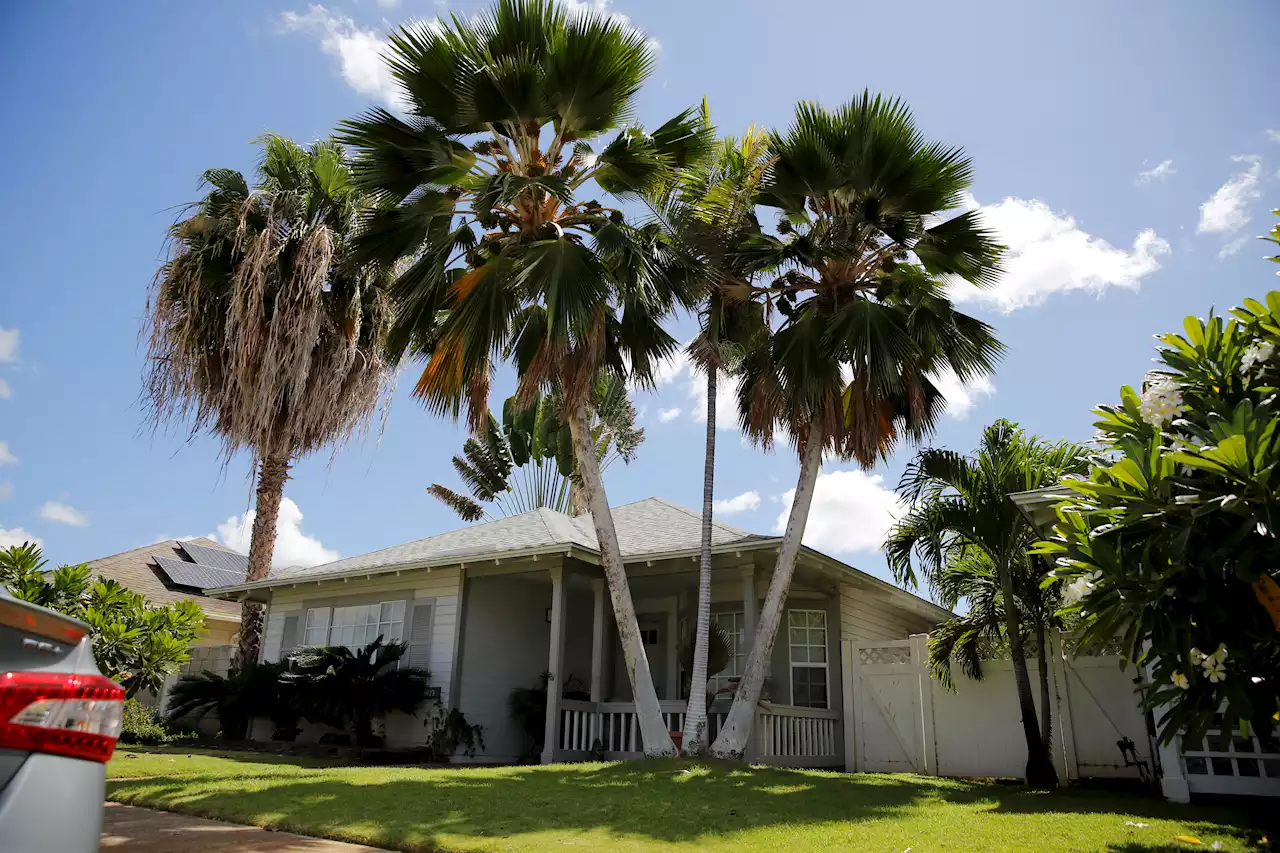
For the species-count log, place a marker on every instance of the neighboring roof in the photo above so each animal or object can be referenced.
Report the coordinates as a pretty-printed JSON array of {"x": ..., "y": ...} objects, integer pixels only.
[
  {"x": 650, "y": 528},
  {"x": 1038, "y": 506},
  {"x": 140, "y": 571}
]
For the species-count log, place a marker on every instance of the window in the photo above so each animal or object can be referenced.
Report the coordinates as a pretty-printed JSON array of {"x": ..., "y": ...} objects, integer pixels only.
[
  {"x": 807, "y": 630},
  {"x": 356, "y": 626},
  {"x": 649, "y": 636},
  {"x": 733, "y": 625}
]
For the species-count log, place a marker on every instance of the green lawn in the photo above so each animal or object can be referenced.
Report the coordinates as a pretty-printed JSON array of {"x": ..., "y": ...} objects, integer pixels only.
[{"x": 651, "y": 806}]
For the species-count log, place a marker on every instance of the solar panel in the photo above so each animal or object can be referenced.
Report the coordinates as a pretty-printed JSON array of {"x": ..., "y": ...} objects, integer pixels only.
[
  {"x": 195, "y": 575},
  {"x": 216, "y": 557}
]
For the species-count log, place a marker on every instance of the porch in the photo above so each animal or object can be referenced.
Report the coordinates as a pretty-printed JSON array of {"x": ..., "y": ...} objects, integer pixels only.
[
  {"x": 798, "y": 724},
  {"x": 782, "y": 735}
]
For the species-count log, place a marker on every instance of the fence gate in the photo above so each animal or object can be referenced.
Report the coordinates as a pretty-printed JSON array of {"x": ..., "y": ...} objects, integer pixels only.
[{"x": 886, "y": 697}]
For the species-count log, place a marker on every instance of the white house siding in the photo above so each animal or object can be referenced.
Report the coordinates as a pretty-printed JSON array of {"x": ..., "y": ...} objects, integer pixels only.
[
  {"x": 440, "y": 587},
  {"x": 505, "y": 641},
  {"x": 866, "y": 616}
]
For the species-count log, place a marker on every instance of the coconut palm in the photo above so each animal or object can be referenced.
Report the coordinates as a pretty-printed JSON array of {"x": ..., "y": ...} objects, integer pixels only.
[
  {"x": 711, "y": 210},
  {"x": 526, "y": 462},
  {"x": 863, "y": 329},
  {"x": 959, "y": 511},
  {"x": 502, "y": 111},
  {"x": 263, "y": 330}
]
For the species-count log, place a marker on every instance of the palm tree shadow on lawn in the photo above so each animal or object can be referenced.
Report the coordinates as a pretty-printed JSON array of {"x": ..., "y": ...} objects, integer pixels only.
[{"x": 667, "y": 801}]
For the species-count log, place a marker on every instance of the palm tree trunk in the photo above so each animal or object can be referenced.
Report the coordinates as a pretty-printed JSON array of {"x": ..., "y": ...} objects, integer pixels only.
[
  {"x": 695, "y": 717},
  {"x": 1040, "y": 771},
  {"x": 731, "y": 743},
  {"x": 1046, "y": 712},
  {"x": 272, "y": 474},
  {"x": 653, "y": 729}
]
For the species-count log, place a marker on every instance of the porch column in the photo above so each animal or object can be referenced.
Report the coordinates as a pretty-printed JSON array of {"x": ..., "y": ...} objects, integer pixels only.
[
  {"x": 555, "y": 665},
  {"x": 749, "y": 600},
  {"x": 597, "y": 652}
]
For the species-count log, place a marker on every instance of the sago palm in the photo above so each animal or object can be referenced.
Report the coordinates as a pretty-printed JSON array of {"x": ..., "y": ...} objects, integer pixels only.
[
  {"x": 865, "y": 321},
  {"x": 710, "y": 209},
  {"x": 485, "y": 191},
  {"x": 263, "y": 329},
  {"x": 959, "y": 508}
]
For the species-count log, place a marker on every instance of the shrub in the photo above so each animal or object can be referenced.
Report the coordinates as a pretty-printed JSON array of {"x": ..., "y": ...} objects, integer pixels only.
[{"x": 143, "y": 725}]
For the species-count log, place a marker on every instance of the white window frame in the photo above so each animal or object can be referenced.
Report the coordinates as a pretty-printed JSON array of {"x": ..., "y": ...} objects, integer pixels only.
[
  {"x": 320, "y": 623},
  {"x": 792, "y": 646},
  {"x": 737, "y": 648}
]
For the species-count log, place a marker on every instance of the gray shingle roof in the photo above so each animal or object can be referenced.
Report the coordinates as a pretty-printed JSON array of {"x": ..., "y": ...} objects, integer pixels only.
[
  {"x": 649, "y": 526},
  {"x": 136, "y": 570}
]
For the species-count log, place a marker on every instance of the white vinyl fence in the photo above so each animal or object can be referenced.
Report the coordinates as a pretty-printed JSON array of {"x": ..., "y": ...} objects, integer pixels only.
[{"x": 903, "y": 720}]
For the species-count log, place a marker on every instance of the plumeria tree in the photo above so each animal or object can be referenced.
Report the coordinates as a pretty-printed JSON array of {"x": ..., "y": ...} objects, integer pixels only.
[{"x": 1170, "y": 544}]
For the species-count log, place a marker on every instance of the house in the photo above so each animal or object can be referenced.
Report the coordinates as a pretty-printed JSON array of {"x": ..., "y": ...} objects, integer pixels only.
[
  {"x": 491, "y": 607},
  {"x": 177, "y": 570}
]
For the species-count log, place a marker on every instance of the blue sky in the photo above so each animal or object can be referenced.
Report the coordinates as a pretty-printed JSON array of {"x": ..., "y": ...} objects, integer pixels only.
[{"x": 1122, "y": 150}]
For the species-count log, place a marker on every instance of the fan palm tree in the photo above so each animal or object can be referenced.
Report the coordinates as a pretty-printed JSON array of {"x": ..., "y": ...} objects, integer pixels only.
[
  {"x": 348, "y": 688},
  {"x": 959, "y": 512},
  {"x": 710, "y": 209},
  {"x": 262, "y": 329},
  {"x": 863, "y": 328},
  {"x": 502, "y": 111},
  {"x": 526, "y": 462}
]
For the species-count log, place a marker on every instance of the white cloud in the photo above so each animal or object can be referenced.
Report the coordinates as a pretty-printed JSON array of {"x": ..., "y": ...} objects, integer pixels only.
[
  {"x": 745, "y": 502},
  {"x": 962, "y": 396},
  {"x": 8, "y": 345},
  {"x": 15, "y": 536},
  {"x": 1227, "y": 210},
  {"x": 61, "y": 513},
  {"x": 668, "y": 415},
  {"x": 1050, "y": 253},
  {"x": 1231, "y": 247},
  {"x": 1162, "y": 171},
  {"x": 359, "y": 51},
  {"x": 1273, "y": 135},
  {"x": 5, "y": 391},
  {"x": 388, "y": 4},
  {"x": 851, "y": 511},
  {"x": 677, "y": 370},
  {"x": 576, "y": 7},
  {"x": 293, "y": 547},
  {"x": 6, "y": 491},
  {"x": 6, "y": 455}
]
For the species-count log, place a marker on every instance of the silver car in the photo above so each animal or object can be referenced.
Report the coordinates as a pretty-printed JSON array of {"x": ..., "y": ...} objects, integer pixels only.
[{"x": 59, "y": 720}]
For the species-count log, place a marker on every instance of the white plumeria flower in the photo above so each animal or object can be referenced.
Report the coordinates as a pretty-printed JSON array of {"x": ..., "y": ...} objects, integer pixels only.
[
  {"x": 1197, "y": 656},
  {"x": 1181, "y": 680},
  {"x": 1256, "y": 354},
  {"x": 1076, "y": 591},
  {"x": 1161, "y": 403},
  {"x": 1220, "y": 655},
  {"x": 1215, "y": 672}
]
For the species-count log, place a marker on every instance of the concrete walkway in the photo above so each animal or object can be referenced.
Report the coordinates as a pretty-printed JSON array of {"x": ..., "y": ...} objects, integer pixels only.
[{"x": 135, "y": 830}]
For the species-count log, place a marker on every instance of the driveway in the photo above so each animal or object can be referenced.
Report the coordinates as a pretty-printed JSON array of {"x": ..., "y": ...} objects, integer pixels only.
[{"x": 133, "y": 830}]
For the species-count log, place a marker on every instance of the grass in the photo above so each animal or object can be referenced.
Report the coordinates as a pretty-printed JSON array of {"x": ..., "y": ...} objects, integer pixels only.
[{"x": 640, "y": 807}]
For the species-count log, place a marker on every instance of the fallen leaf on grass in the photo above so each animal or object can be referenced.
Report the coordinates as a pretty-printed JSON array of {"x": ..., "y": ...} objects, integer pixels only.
[{"x": 1187, "y": 839}]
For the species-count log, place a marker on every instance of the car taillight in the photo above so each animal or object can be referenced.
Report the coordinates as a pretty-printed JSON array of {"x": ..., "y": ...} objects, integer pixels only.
[{"x": 60, "y": 713}]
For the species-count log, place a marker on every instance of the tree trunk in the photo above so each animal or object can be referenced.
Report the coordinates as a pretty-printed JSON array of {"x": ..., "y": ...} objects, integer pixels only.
[
  {"x": 695, "y": 717},
  {"x": 1040, "y": 771},
  {"x": 653, "y": 729},
  {"x": 272, "y": 474},
  {"x": 731, "y": 743},
  {"x": 1046, "y": 708}
]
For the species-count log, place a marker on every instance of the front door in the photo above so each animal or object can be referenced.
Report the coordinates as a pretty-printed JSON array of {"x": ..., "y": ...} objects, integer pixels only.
[{"x": 653, "y": 628}]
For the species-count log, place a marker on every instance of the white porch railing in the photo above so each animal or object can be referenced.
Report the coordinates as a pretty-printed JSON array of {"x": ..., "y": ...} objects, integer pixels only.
[{"x": 784, "y": 735}]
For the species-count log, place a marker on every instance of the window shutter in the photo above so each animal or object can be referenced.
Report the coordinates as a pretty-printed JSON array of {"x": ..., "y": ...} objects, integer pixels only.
[
  {"x": 419, "y": 655},
  {"x": 289, "y": 641}
]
